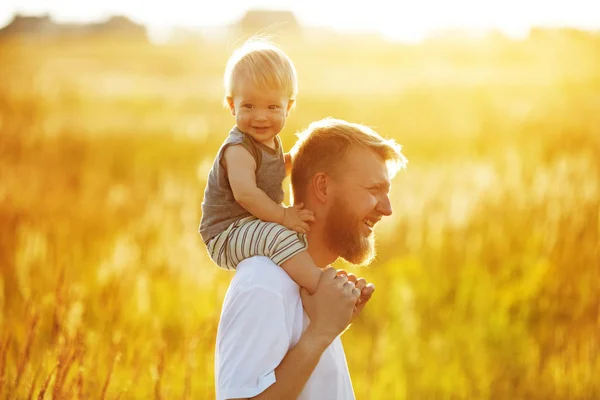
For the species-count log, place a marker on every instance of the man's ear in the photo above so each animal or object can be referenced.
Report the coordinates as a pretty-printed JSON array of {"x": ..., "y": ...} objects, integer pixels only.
[
  {"x": 231, "y": 105},
  {"x": 321, "y": 187}
]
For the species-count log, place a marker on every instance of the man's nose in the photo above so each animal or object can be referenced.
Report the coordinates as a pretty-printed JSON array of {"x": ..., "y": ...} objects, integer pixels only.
[{"x": 385, "y": 206}]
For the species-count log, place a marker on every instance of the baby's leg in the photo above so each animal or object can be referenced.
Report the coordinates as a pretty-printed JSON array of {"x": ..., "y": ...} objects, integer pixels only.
[
  {"x": 230, "y": 247},
  {"x": 253, "y": 237},
  {"x": 303, "y": 270}
]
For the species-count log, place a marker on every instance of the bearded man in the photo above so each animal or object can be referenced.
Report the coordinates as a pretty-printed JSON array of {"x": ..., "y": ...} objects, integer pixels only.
[{"x": 275, "y": 340}]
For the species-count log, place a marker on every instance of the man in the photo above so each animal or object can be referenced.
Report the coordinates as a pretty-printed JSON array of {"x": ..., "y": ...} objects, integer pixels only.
[{"x": 268, "y": 345}]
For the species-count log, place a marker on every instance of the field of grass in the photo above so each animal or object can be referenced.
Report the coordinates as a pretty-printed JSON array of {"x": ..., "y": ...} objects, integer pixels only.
[{"x": 487, "y": 275}]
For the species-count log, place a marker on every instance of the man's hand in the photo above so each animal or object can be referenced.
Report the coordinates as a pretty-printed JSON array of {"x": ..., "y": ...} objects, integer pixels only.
[
  {"x": 296, "y": 218},
  {"x": 366, "y": 291},
  {"x": 332, "y": 306}
]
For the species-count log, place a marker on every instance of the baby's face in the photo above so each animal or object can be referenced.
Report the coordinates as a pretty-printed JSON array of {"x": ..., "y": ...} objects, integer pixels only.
[{"x": 260, "y": 113}]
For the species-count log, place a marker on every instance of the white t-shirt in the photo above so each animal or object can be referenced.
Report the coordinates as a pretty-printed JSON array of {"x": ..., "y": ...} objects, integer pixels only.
[{"x": 261, "y": 320}]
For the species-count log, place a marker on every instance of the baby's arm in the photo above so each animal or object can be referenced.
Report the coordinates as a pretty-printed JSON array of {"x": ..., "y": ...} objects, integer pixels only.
[{"x": 241, "y": 170}]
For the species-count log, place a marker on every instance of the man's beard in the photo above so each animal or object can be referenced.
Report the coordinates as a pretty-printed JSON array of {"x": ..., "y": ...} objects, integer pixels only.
[{"x": 344, "y": 235}]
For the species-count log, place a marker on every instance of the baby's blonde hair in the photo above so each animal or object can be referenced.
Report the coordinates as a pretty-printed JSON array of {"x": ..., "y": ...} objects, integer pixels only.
[
  {"x": 265, "y": 64},
  {"x": 323, "y": 145}
]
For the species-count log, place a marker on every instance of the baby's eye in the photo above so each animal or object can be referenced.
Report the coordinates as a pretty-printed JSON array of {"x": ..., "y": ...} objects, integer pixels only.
[
  {"x": 249, "y": 106},
  {"x": 273, "y": 107}
]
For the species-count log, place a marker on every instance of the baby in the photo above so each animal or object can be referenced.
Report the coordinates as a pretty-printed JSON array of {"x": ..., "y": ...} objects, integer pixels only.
[{"x": 242, "y": 211}]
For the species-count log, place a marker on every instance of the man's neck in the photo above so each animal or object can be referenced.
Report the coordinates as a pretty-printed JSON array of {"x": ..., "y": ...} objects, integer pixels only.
[{"x": 317, "y": 247}]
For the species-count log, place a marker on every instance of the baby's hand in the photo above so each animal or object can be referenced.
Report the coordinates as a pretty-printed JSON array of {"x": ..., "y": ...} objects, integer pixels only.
[{"x": 296, "y": 218}]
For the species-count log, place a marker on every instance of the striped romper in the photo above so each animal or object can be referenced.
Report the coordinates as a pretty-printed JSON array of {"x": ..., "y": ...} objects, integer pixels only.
[{"x": 230, "y": 232}]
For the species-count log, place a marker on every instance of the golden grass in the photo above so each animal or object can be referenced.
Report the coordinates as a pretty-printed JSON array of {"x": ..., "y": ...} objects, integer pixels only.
[{"x": 487, "y": 274}]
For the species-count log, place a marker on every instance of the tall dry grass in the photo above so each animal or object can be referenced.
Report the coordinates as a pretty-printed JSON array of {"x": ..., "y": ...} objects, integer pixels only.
[{"x": 487, "y": 273}]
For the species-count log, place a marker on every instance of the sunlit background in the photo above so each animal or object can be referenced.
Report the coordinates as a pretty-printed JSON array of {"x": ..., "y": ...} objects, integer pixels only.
[
  {"x": 404, "y": 21},
  {"x": 488, "y": 273}
]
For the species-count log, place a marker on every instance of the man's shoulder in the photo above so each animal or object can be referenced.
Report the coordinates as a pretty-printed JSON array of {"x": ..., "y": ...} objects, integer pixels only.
[{"x": 262, "y": 273}]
